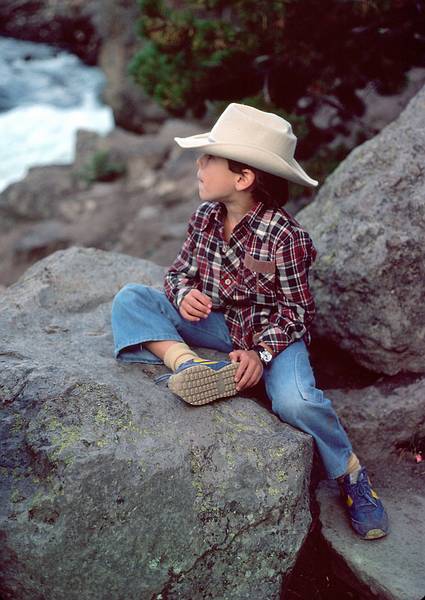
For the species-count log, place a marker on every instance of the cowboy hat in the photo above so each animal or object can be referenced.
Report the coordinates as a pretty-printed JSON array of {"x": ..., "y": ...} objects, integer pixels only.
[{"x": 254, "y": 137}]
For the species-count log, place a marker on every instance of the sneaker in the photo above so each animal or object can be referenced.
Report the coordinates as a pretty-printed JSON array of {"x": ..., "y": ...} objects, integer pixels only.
[
  {"x": 367, "y": 514},
  {"x": 200, "y": 381}
]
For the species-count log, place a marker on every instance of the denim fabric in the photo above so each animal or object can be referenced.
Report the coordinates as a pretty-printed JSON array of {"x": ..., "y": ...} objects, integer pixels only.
[{"x": 141, "y": 313}]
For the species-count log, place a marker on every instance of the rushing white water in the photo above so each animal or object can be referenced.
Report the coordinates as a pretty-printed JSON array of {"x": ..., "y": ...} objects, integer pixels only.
[{"x": 46, "y": 95}]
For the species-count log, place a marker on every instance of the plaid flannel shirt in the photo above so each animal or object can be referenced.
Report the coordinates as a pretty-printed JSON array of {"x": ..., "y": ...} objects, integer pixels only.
[{"x": 259, "y": 279}]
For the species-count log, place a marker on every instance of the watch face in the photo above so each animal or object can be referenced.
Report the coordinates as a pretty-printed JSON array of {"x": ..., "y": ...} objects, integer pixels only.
[{"x": 265, "y": 356}]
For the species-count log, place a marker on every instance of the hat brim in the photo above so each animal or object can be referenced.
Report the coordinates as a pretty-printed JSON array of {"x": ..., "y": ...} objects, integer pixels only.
[{"x": 250, "y": 155}]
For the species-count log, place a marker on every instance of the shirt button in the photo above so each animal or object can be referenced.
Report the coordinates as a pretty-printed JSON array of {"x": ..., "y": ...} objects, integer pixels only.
[{"x": 227, "y": 281}]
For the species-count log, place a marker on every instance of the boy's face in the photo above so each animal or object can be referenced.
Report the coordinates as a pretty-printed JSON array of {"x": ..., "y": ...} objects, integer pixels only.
[{"x": 217, "y": 183}]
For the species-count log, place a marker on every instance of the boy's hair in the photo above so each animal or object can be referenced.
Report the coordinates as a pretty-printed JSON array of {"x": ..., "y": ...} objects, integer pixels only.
[{"x": 269, "y": 189}]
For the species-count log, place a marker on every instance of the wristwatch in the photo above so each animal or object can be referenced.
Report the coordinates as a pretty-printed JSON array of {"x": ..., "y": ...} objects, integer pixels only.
[{"x": 265, "y": 356}]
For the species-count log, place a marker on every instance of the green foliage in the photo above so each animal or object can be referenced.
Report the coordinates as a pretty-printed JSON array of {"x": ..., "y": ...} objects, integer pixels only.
[
  {"x": 102, "y": 168},
  {"x": 201, "y": 50},
  {"x": 204, "y": 50},
  {"x": 202, "y": 54}
]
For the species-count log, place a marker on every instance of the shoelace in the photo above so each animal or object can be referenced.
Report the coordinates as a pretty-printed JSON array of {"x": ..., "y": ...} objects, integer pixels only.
[{"x": 362, "y": 491}]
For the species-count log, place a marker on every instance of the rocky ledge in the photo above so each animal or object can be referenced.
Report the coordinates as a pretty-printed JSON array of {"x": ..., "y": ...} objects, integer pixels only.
[{"x": 110, "y": 482}]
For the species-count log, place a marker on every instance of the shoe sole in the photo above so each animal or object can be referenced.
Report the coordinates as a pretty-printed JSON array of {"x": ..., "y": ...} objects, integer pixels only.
[
  {"x": 200, "y": 385},
  {"x": 374, "y": 534}
]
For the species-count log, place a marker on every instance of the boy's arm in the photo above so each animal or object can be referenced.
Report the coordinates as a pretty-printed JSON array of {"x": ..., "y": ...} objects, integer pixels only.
[
  {"x": 295, "y": 308},
  {"x": 182, "y": 276}
]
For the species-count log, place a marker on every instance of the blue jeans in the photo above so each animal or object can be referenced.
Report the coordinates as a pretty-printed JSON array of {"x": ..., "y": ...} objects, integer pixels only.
[{"x": 141, "y": 314}]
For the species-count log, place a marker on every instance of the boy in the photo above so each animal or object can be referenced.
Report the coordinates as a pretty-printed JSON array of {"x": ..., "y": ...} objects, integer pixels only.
[{"x": 240, "y": 285}]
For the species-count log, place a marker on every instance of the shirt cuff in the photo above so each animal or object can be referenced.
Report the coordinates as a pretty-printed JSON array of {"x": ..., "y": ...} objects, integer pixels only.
[
  {"x": 181, "y": 294},
  {"x": 278, "y": 340}
]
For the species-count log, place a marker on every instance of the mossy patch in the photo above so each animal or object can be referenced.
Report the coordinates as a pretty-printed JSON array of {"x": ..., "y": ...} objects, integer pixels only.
[
  {"x": 277, "y": 453},
  {"x": 102, "y": 167},
  {"x": 19, "y": 423}
]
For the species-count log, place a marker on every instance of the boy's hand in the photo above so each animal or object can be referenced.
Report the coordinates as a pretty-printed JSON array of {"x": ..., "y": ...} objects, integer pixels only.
[
  {"x": 195, "y": 306},
  {"x": 250, "y": 369}
]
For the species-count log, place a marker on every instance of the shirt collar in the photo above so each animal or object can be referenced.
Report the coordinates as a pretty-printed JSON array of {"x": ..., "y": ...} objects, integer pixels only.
[
  {"x": 257, "y": 219},
  {"x": 215, "y": 213}
]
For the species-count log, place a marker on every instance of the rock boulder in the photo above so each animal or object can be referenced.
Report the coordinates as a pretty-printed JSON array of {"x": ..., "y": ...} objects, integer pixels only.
[
  {"x": 368, "y": 223},
  {"x": 111, "y": 486},
  {"x": 383, "y": 419}
]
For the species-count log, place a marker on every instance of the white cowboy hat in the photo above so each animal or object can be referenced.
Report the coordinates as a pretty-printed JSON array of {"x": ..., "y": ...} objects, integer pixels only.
[{"x": 253, "y": 137}]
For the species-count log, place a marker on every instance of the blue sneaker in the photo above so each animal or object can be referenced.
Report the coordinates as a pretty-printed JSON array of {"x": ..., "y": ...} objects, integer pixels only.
[
  {"x": 200, "y": 381},
  {"x": 367, "y": 514}
]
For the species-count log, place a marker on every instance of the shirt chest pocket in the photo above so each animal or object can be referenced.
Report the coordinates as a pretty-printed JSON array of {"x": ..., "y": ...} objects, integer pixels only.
[{"x": 258, "y": 276}]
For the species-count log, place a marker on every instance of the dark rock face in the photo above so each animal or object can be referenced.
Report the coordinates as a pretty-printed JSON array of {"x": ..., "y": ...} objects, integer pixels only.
[
  {"x": 113, "y": 487},
  {"x": 384, "y": 418},
  {"x": 116, "y": 24},
  {"x": 67, "y": 24},
  {"x": 368, "y": 223}
]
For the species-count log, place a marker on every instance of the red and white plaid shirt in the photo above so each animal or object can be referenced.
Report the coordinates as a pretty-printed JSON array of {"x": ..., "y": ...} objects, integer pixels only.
[{"x": 259, "y": 279}]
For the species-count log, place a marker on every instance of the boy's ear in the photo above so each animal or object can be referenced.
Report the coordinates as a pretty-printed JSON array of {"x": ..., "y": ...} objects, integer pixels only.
[{"x": 245, "y": 180}]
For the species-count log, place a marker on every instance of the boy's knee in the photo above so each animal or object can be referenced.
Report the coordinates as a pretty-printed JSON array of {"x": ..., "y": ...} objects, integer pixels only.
[
  {"x": 288, "y": 403},
  {"x": 295, "y": 400},
  {"x": 129, "y": 291}
]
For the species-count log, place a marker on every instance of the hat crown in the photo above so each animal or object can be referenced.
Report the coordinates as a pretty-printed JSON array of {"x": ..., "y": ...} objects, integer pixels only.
[
  {"x": 245, "y": 125},
  {"x": 250, "y": 136}
]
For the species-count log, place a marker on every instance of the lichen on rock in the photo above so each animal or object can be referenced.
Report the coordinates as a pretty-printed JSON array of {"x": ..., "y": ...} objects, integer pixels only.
[{"x": 109, "y": 481}]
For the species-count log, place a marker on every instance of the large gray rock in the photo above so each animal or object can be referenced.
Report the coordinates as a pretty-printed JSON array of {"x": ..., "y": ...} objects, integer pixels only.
[
  {"x": 383, "y": 419},
  {"x": 368, "y": 223},
  {"x": 111, "y": 487},
  {"x": 39, "y": 195}
]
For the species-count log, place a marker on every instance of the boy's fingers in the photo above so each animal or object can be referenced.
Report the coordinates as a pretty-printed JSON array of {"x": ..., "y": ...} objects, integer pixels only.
[
  {"x": 243, "y": 364},
  {"x": 187, "y": 316},
  {"x": 196, "y": 304},
  {"x": 248, "y": 373},
  {"x": 242, "y": 383},
  {"x": 193, "y": 307},
  {"x": 197, "y": 314},
  {"x": 203, "y": 298},
  {"x": 257, "y": 376},
  {"x": 250, "y": 377}
]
